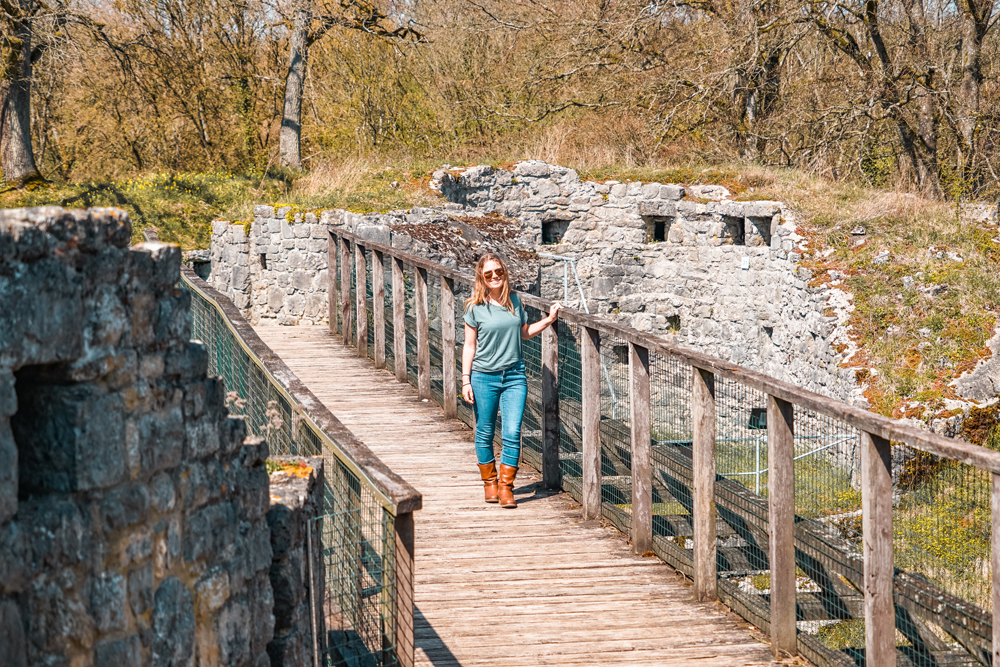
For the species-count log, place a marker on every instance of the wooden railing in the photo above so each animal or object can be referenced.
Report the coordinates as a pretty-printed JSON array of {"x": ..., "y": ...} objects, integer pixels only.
[
  {"x": 363, "y": 496},
  {"x": 786, "y": 542}
]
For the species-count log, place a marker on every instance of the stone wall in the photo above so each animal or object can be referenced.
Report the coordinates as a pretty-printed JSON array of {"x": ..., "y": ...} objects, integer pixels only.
[
  {"x": 278, "y": 272},
  {"x": 718, "y": 275},
  {"x": 296, "y": 502},
  {"x": 132, "y": 508}
]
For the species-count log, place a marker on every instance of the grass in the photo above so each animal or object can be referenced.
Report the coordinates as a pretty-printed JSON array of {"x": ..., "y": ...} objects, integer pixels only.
[{"x": 181, "y": 206}]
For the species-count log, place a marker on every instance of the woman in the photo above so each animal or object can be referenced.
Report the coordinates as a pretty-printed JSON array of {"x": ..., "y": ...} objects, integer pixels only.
[{"x": 493, "y": 371}]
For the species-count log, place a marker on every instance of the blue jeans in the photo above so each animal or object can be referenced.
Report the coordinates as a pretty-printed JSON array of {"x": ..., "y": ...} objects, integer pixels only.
[{"x": 506, "y": 390}]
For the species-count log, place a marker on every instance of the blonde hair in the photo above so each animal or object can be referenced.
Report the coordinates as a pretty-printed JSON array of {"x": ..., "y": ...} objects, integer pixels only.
[{"x": 480, "y": 290}]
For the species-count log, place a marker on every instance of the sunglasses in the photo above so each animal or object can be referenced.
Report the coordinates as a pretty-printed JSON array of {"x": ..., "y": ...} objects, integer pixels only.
[{"x": 489, "y": 275}]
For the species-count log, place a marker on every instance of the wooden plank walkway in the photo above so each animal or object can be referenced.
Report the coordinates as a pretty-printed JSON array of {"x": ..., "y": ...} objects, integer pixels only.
[{"x": 529, "y": 586}]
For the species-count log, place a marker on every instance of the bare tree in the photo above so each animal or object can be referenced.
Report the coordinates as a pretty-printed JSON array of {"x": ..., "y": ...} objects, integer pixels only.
[
  {"x": 310, "y": 20},
  {"x": 17, "y": 56}
]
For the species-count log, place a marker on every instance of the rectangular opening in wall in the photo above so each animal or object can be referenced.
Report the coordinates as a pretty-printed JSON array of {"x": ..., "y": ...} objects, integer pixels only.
[
  {"x": 263, "y": 260},
  {"x": 657, "y": 228},
  {"x": 673, "y": 323},
  {"x": 759, "y": 231},
  {"x": 733, "y": 233},
  {"x": 553, "y": 231}
]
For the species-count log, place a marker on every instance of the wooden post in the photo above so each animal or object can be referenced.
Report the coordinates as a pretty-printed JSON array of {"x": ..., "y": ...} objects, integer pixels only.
[
  {"x": 423, "y": 336},
  {"x": 995, "y": 557},
  {"x": 448, "y": 390},
  {"x": 378, "y": 307},
  {"x": 361, "y": 287},
  {"x": 781, "y": 522},
  {"x": 345, "y": 290},
  {"x": 404, "y": 590},
  {"x": 642, "y": 467},
  {"x": 703, "y": 471},
  {"x": 399, "y": 319},
  {"x": 551, "y": 469},
  {"x": 590, "y": 342},
  {"x": 331, "y": 281},
  {"x": 876, "y": 525}
]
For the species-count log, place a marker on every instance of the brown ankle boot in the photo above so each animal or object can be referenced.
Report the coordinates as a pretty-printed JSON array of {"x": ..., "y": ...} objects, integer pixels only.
[
  {"x": 489, "y": 474},
  {"x": 507, "y": 474}
]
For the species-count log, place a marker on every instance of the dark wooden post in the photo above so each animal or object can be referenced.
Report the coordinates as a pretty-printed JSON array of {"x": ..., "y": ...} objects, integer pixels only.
[
  {"x": 590, "y": 342},
  {"x": 345, "y": 290},
  {"x": 703, "y": 470},
  {"x": 781, "y": 522},
  {"x": 399, "y": 319},
  {"x": 642, "y": 467},
  {"x": 551, "y": 469},
  {"x": 361, "y": 287},
  {"x": 378, "y": 307},
  {"x": 876, "y": 524},
  {"x": 449, "y": 395},
  {"x": 423, "y": 336},
  {"x": 331, "y": 281},
  {"x": 995, "y": 557},
  {"x": 404, "y": 590}
]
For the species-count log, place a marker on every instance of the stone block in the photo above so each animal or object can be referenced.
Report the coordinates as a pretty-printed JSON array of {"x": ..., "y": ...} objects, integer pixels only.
[
  {"x": 12, "y": 636},
  {"x": 124, "y": 506},
  {"x": 201, "y": 438},
  {"x": 119, "y": 653},
  {"x": 71, "y": 438},
  {"x": 43, "y": 314},
  {"x": 657, "y": 208},
  {"x": 209, "y": 530},
  {"x": 761, "y": 209},
  {"x": 263, "y": 211},
  {"x": 162, "y": 492},
  {"x": 211, "y": 591},
  {"x": 107, "y": 601},
  {"x": 137, "y": 546},
  {"x": 163, "y": 434},
  {"x": 173, "y": 625},
  {"x": 234, "y": 633}
]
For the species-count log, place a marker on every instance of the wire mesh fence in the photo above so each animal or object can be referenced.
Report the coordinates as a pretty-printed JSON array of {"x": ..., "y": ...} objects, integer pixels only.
[
  {"x": 356, "y": 532},
  {"x": 941, "y": 509}
]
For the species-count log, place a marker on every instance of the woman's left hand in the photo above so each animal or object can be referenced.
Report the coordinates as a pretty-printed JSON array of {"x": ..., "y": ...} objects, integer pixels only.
[{"x": 554, "y": 311}]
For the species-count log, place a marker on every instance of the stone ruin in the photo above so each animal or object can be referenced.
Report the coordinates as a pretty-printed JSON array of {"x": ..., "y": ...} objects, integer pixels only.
[
  {"x": 714, "y": 274},
  {"x": 133, "y": 509}
]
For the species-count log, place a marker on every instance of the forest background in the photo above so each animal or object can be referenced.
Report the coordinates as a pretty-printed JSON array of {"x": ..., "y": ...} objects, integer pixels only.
[
  {"x": 884, "y": 92},
  {"x": 883, "y": 113}
]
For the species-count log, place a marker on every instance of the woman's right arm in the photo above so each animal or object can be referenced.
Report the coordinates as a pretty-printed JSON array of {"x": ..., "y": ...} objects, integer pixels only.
[{"x": 468, "y": 354}]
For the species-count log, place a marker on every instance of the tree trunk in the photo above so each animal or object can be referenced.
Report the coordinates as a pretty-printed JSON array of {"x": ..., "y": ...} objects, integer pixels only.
[
  {"x": 16, "y": 156},
  {"x": 976, "y": 18},
  {"x": 290, "y": 140}
]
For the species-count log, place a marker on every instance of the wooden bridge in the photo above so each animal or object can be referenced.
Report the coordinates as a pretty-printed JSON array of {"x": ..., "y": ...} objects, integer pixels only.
[
  {"x": 533, "y": 586},
  {"x": 643, "y": 465}
]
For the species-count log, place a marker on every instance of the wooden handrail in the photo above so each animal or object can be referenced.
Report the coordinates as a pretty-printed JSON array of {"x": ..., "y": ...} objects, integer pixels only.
[
  {"x": 861, "y": 419},
  {"x": 876, "y": 432}
]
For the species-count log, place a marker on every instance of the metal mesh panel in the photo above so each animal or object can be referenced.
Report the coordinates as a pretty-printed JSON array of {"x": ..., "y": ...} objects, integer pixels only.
[
  {"x": 670, "y": 396},
  {"x": 358, "y": 553},
  {"x": 357, "y": 539},
  {"x": 941, "y": 540},
  {"x": 531, "y": 425},
  {"x": 616, "y": 436},
  {"x": 570, "y": 409}
]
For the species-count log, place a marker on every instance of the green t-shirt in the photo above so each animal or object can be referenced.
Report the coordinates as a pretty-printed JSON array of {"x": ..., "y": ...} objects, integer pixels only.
[{"x": 498, "y": 335}]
